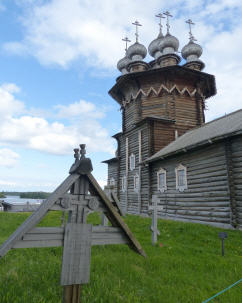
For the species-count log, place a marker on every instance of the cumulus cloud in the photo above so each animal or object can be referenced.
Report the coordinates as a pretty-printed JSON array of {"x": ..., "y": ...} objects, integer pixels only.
[
  {"x": 18, "y": 128},
  {"x": 8, "y": 158},
  {"x": 61, "y": 31},
  {"x": 9, "y": 105},
  {"x": 78, "y": 109}
]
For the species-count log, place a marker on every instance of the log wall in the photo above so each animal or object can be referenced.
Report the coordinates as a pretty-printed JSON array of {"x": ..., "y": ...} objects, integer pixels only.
[
  {"x": 130, "y": 199},
  {"x": 236, "y": 151},
  {"x": 113, "y": 173},
  {"x": 207, "y": 198}
]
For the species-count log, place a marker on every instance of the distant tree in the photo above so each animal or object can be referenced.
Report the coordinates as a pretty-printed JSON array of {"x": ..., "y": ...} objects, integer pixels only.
[{"x": 34, "y": 195}]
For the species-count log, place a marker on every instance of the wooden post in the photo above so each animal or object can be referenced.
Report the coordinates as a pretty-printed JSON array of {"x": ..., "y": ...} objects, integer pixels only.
[
  {"x": 154, "y": 208},
  {"x": 72, "y": 293}
]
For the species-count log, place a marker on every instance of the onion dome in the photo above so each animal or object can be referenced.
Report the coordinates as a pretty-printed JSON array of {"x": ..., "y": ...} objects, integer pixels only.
[
  {"x": 137, "y": 52},
  {"x": 122, "y": 64},
  {"x": 154, "y": 49},
  {"x": 192, "y": 51},
  {"x": 169, "y": 44}
]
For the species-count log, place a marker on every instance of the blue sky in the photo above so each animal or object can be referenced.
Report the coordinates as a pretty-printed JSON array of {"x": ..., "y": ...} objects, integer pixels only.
[{"x": 58, "y": 61}]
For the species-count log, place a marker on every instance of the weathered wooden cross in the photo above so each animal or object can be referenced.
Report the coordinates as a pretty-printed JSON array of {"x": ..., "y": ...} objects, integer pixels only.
[
  {"x": 154, "y": 209},
  {"x": 79, "y": 195}
]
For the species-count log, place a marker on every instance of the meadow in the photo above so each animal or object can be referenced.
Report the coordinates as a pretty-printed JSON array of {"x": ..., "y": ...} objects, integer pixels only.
[{"x": 185, "y": 266}]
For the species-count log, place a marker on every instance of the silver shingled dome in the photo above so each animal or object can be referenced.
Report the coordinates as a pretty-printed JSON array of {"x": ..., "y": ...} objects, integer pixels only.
[
  {"x": 192, "y": 51},
  {"x": 169, "y": 44},
  {"x": 137, "y": 52},
  {"x": 154, "y": 49},
  {"x": 122, "y": 64}
]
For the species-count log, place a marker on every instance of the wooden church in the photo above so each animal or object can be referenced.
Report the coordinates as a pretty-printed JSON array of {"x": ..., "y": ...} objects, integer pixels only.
[{"x": 165, "y": 147}]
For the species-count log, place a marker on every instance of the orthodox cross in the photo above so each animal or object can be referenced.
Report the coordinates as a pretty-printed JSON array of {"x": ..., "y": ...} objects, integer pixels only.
[
  {"x": 79, "y": 195},
  {"x": 160, "y": 16},
  {"x": 126, "y": 39},
  {"x": 154, "y": 209},
  {"x": 167, "y": 21},
  {"x": 136, "y": 23},
  {"x": 191, "y": 37}
]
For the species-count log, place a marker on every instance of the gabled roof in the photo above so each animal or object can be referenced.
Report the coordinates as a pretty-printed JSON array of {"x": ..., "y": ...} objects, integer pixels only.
[{"x": 210, "y": 132}]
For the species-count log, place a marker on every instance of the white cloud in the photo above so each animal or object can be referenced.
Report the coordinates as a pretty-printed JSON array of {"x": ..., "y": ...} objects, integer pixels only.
[
  {"x": 61, "y": 31},
  {"x": 9, "y": 105},
  {"x": 24, "y": 130},
  {"x": 78, "y": 109},
  {"x": 8, "y": 158}
]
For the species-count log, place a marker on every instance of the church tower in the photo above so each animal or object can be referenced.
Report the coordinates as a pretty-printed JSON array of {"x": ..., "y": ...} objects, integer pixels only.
[{"x": 160, "y": 101}]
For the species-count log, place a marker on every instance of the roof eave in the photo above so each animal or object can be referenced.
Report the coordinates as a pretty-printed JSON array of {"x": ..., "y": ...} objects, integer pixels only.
[{"x": 194, "y": 146}]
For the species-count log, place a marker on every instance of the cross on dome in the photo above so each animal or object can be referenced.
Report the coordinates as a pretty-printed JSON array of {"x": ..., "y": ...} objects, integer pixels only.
[
  {"x": 160, "y": 16},
  {"x": 190, "y": 23},
  {"x": 126, "y": 40},
  {"x": 136, "y": 23},
  {"x": 167, "y": 21}
]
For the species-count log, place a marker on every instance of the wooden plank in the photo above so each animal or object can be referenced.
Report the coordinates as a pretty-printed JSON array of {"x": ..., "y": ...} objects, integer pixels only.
[
  {"x": 47, "y": 230},
  {"x": 76, "y": 254},
  {"x": 40, "y": 243},
  {"x": 45, "y": 237},
  {"x": 36, "y": 217}
]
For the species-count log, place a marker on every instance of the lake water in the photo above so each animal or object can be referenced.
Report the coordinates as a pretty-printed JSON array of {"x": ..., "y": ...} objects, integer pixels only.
[{"x": 17, "y": 199}]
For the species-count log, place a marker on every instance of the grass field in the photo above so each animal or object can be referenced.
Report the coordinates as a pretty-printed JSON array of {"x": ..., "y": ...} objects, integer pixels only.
[{"x": 185, "y": 266}]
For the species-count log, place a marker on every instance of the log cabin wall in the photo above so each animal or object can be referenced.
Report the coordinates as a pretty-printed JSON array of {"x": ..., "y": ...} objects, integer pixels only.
[
  {"x": 236, "y": 152},
  {"x": 113, "y": 174},
  {"x": 207, "y": 198},
  {"x": 129, "y": 199},
  {"x": 164, "y": 133}
]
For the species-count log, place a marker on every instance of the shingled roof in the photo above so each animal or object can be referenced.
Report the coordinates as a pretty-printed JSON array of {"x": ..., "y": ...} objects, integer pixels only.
[{"x": 209, "y": 133}]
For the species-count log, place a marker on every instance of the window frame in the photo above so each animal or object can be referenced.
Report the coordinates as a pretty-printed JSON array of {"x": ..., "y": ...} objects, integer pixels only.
[
  {"x": 161, "y": 188},
  {"x": 124, "y": 184},
  {"x": 136, "y": 184},
  {"x": 132, "y": 156},
  {"x": 112, "y": 181},
  {"x": 181, "y": 167}
]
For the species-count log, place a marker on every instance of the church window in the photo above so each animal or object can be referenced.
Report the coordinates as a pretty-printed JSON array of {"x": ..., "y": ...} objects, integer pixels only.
[
  {"x": 123, "y": 183},
  {"x": 161, "y": 180},
  {"x": 112, "y": 182},
  {"x": 181, "y": 177},
  {"x": 132, "y": 162},
  {"x": 136, "y": 182}
]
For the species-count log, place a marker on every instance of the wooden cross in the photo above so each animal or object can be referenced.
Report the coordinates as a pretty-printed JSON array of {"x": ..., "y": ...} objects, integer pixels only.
[
  {"x": 126, "y": 39},
  {"x": 160, "y": 16},
  {"x": 190, "y": 23},
  {"x": 167, "y": 21},
  {"x": 154, "y": 208},
  {"x": 79, "y": 195},
  {"x": 136, "y": 23}
]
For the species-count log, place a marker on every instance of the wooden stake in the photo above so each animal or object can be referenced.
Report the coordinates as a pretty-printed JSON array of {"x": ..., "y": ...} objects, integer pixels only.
[{"x": 72, "y": 294}]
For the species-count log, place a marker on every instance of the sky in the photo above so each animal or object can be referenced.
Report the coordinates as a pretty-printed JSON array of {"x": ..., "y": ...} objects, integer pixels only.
[{"x": 58, "y": 61}]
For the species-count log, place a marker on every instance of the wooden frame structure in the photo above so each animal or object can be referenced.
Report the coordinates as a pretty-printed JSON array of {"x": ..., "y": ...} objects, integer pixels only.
[{"x": 79, "y": 195}]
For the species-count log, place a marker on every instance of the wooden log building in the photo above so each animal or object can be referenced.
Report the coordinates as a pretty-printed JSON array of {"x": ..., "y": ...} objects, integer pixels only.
[{"x": 165, "y": 147}]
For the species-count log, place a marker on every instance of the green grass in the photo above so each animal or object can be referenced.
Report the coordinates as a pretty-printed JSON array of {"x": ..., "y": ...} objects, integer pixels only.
[{"x": 186, "y": 267}]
